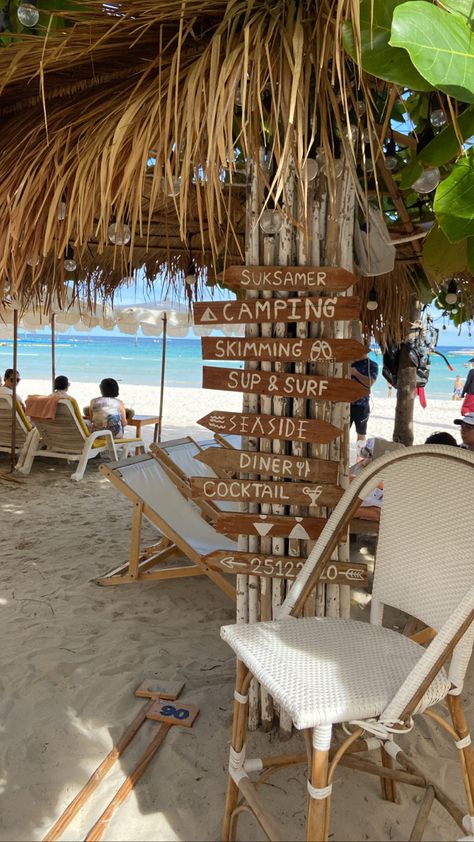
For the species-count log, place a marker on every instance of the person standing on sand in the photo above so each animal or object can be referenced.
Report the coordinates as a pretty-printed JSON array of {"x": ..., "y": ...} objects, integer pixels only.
[
  {"x": 365, "y": 371},
  {"x": 457, "y": 391},
  {"x": 468, "y": 391}
]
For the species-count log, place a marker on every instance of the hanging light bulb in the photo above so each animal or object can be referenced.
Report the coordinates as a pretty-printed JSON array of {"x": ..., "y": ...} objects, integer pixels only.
[
  {"x": 33, "y": 260},
  {"x": 372, "y": 302},
  {"x": 61, "y": 211},
  {"x": 28, "y": 14},
  {"x": 172, "y": 188},
  {"x": 452, "y": 293},
  {"x": 119, "y": 233},
  {"x": 310, "y": 169},
  {"x": 271, "y": 221},
  {"x": 428, "y": 180},
  {"x": 390, "y": 155},
  {"x": 191, "y": 274},
  {"x": 438, "y": 118},
  {"x": 454, "y": 310},
  {"x": 70, "y": 264}
]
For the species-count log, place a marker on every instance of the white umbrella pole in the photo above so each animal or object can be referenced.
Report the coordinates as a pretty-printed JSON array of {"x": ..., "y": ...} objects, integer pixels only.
[
  {"x": 53, "y": 353},
  {"x": 162, "y": 384}
]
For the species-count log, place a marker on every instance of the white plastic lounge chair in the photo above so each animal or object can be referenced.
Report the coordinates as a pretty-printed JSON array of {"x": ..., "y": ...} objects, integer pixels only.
[
  {"x": 146, "y": 483},
  {"x": 23, "y": 429},
  {"x": 67, "y": 437},
  {"x": 177, "y": 458},
  {"x": 326, "y": 672}
]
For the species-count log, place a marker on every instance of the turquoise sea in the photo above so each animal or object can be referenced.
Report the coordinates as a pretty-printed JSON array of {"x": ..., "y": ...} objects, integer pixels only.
[{"x": 138, "y": 361}]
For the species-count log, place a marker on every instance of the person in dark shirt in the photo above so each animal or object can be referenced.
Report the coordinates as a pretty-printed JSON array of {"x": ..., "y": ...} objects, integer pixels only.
[
  {"x": 468, "y": 391},
  {"x": 365, "y": 371}
]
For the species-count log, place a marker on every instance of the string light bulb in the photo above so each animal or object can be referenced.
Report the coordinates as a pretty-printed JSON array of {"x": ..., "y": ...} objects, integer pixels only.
[
  {"x": 28, "y": 14},
  {"x": 310, "y": 169},
  {"x": 70, "y": 264},
  {"x": 452, "y": 293},
  {"x": 119, "y": 233},
  {"x": 428, "y": 180},
  {"x": 271, "y": 221},
  {"x": 438, "y": 118},
  {"x": 372, "y": 302},
  {"x": 190, "y": 278},
  {"x": 33, "y": 260},
  {"x": 62, "y": 211}
]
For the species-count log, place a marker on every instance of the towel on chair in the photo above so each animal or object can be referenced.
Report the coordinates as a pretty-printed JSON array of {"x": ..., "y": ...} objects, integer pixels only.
[{"x": 42, "y": 407}]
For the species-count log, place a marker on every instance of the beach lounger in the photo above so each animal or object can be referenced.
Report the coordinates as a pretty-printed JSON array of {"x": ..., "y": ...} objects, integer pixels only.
[
  {"x": 23, "y": 429},
  {"x": 67, "y": 437},
  {"x": 373, "y": 680},
  {"x": 145, "y": 482}
]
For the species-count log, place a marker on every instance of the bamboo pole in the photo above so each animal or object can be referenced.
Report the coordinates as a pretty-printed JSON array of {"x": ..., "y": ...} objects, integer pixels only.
[
  {"x": 162, "y": 380},
  {"x": 53, "y": 352},
  {"x": 15, "y": 366}
]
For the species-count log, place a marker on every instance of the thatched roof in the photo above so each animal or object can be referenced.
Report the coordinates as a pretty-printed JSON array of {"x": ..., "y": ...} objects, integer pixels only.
[{"x": 135, "y": 101}]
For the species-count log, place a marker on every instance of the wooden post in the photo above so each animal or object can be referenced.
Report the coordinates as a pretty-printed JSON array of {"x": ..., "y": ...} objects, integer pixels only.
[
  {"x": 53, "y": 352},
  {"x": 162, "y": 381},
  {"x": 15, "y": 363}
]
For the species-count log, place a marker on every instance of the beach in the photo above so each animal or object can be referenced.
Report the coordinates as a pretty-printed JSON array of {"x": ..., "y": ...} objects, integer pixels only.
[{"x": 73, "y": 654}]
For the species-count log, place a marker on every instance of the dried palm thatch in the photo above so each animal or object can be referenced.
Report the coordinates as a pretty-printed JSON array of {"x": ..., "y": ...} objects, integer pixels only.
[{"x": 139, "y": 100}]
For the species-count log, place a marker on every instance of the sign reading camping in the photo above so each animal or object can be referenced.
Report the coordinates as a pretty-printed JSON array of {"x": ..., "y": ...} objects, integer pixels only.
[
  {"x": 255, "y": 491},
  {"x": 287, "y": 278},
  {"x": 270, "y": 427},
  {"x": 335, "y": 572},
  {"x": 282, "y": 350},
  {"x": 269, "y": 464},
  {"x": 290, "y": 385},
  {"x": 276, "y": 310}
]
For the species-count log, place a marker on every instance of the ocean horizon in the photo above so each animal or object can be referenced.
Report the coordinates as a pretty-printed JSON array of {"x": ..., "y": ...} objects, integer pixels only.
[{"x": 137, "y": 361}]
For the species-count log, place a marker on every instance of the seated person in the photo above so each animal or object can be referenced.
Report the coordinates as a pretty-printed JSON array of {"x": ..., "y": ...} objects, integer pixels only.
[
  {"x": 441, "y": 438},
  {"x": 7, "y": 388},
  {"x": 61, "y": 386},
  {"x": 108, "y": 412}
]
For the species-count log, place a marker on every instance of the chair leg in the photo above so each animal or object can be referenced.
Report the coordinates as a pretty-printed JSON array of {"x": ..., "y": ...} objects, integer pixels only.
[
  {"x": 389, "y": 787},
  {"x": 467, "y": 758},
  {"x": 317, "y": 828},
  {"x": 239, "y": 737}
]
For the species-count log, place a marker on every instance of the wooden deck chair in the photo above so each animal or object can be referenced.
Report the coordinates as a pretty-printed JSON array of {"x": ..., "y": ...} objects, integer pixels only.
[
  {"x": 67, "y": 437},
  {"x": 23, "y": 429},
  {"x": 326, "y": 672},
  {"x": 144, "y": 481},
  {"x": 178, "y": 459}
]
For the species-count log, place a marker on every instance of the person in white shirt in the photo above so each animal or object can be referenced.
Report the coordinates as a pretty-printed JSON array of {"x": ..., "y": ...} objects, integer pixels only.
[
  {"x": 61, "y": 386},
  {"x": 7, "y": 388}
]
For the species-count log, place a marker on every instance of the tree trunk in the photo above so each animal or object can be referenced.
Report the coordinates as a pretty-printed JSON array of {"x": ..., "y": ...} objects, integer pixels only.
[{"x": 406, "y": 388}]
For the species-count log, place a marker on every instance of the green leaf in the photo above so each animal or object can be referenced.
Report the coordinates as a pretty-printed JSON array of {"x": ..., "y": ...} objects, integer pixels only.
[
  {"x": 410, "y": 173},
  {"x": 445, "y": 146},
  {"x": 442, "y": 259},
  {"x": 440, "y": 45},
  {"x": 461, "y": 7},
  {"x": 470, "y": 255},
  {"x": 378, "y": 58},
  {"x": 454, "y": 200}
]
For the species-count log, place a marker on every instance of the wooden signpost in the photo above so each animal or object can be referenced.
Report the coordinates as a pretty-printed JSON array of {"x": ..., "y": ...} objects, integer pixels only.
[
  {"x": 270, "y": 427},
  {"x": 288, "y": 278},
  {"x": 282, "y": 350},
  {"x": 270, "y": 526},
  {"x": 256, "y": 564},
  {"x": 269, "y": 464},
  {"x": 334, "y": 389},
  {"x": 275, "y": 310},
  {"x": 256, "y": 491}
]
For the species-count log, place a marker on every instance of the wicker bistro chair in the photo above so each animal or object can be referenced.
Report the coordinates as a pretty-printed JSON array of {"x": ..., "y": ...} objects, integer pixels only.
[{"x": 325, "y": 672}]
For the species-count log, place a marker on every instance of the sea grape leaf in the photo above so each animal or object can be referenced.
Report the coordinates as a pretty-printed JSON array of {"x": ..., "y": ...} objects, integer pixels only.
[
  {"x": 410, "y": 173},
  {"x": 454, "y": 200},
  {"x": 461, "y": 7},
  {"x": 470, "y": 254},
  {"x": 445, "y": 146},
  {"x": 377, "y": 57},
  {"x": 442, "y": 259},
  {"x": 440, "y": 45}
]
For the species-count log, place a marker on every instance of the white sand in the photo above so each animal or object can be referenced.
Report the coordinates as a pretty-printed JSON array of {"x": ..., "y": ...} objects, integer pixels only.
[{"x": 72, "y": 654}]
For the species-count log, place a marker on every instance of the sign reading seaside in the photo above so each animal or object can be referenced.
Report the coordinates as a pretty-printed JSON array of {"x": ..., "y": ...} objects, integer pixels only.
[{"x": 313, "y": 278}]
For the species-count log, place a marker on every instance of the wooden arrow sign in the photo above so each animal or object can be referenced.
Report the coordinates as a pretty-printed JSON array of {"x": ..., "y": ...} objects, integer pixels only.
[
  {"x": 335, "y": 389},
  {"x": 270, "y": 427},
  {"x": 288, "y": 278},
  {"x": 270, "y": 526},
  {"x": 283, "y": 350},
  {"x": 255, "y": 491},
  {"x": 275, "y": 310},
  {"x": 336, "y": 572},
  {"x": 269, "y": 464}
]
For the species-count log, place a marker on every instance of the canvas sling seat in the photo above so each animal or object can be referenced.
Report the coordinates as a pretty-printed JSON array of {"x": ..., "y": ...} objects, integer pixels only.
[
  {"x": 146, "y": 483},
  {"x": 23, "y": 429},
  {"x": 373, "y": 680}
]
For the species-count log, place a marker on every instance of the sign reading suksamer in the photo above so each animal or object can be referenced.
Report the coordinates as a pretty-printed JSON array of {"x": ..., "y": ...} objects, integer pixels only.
[
  {"x": 275, "y": 310},
  {"x": 316, "y": 278}
]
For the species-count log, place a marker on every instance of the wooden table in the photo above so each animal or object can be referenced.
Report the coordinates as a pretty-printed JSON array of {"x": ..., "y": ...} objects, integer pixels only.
[{"x": 139, "y": 421}]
